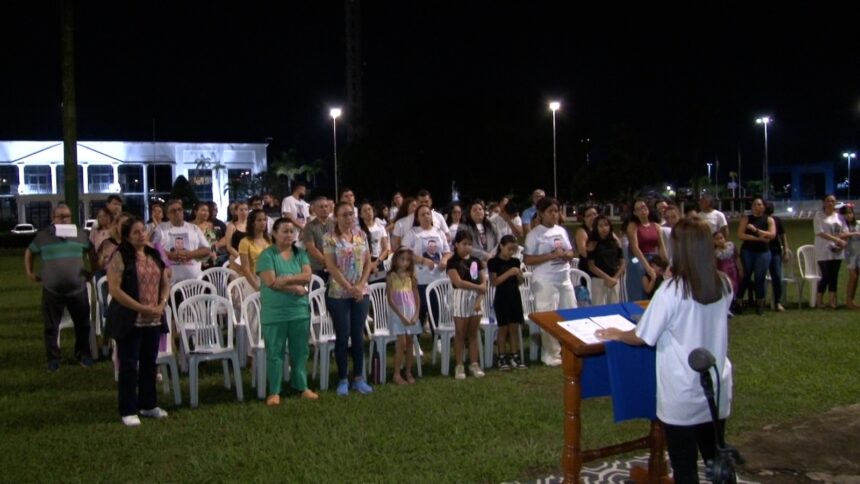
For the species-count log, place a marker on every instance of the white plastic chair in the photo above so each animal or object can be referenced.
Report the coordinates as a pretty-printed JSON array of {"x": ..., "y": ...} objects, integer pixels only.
[
  {"x": 322, "y": 336},
  {"x": 237, "y": 291},
  {"x": 580, "y": 278},
  {"x": 203, "y": 339},
  {"x": 181, "y": 291},
  {"x": 66, "y": 323},
  {"x": 808, "y": 267},
  {"x": 443, "y": 321},
  {"x": 528, "y": 301},
  {"x": 789, "y": 276},
  {"x": 167, "y": 361},
  {"x": 256, "y": 345},
  {"x": 220, "y": 277},
  {"x": 489, "y": 325},
  {"x": 316, "y": 282}
]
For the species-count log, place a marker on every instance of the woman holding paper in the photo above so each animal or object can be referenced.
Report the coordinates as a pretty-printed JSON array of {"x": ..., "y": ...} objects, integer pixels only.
[{"x": 687, "y": 312}]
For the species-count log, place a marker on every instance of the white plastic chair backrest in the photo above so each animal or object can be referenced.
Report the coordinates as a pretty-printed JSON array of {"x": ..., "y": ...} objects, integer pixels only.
[
  {"x": 580, "y": 278},
  {"x": 443, "y": 292},
  {"x": 386, "y": 264},
  {"x": 316, "y": 282},
  {"x": 101, "y": 290},
  {"x": 168, "y": 348},
  {"x": 489, "y": 296},
  {"x": 251, "y": 318},
  {"x": 378, "y": 326},
  {"x": 322, "y": 327},
  {"x": 189, "y": 288},
  {"x": 574, "y": 263},
  {"x": 526, "y": 295},
  {"x": 806, "y": 261},
  {"x": 237, "y": 291},
  {"x": 220, "y": 277},
  {"x": 199, "y": 322}
]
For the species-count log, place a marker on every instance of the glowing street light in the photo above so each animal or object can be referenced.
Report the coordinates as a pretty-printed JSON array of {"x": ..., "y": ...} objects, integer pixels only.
[
  {"x": 848, "y": 156},
  {"x": 554, "y": 106},
  {"x": 764, "y": 121},
  {"x": 335, "y": 113},
  {"x": 709, "y": 171}
]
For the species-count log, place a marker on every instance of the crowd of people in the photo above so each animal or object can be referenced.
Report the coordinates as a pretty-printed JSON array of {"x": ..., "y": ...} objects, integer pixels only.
[{"x": 685, "y": 263}]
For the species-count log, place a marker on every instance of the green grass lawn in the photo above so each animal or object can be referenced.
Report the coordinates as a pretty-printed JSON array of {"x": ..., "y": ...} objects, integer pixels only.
[{"x": 65, "y": 427}]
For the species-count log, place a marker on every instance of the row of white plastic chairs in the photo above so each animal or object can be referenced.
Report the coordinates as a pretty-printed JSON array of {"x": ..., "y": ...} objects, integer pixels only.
[{"x": 202, "y": 310}]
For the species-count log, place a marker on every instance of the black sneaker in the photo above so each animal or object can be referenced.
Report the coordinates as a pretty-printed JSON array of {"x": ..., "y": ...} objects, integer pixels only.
[
  {"x": 517, "y": 363},
  {"x": 504, "y": 362},
  {"x": 53, "y": 365}
]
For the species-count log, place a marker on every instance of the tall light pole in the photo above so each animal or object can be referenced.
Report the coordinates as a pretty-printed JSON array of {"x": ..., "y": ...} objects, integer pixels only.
[
  {"x": 709, "y": 171},
  {"x": 335, "y": 113},
  {"x": 764, "y": 121},
  {"x": 554, "y": 106},
  {"x": 848, "y": 156}
]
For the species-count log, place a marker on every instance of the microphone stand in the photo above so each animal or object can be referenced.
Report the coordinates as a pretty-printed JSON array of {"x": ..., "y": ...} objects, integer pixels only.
[{"x": 723, "y": 467}]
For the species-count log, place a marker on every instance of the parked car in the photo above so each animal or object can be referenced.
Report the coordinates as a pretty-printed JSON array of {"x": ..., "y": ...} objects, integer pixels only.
[
  {"x": 24, "y": 229},
  {"x": 89, "y": 224}
]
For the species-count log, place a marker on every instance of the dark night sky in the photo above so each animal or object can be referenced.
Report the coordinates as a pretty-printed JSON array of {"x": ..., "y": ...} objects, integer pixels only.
[{"x": 461, "y": 85}]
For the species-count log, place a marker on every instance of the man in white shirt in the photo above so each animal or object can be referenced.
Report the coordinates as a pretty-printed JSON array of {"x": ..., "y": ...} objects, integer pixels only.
[
  {"x": 295, "y": 208},
  {"x": 403, "y": 225},
  {"x": 183, "y": 242},
  {"x": 508, "y": 221},
  {"x": 715, "y": 219}
]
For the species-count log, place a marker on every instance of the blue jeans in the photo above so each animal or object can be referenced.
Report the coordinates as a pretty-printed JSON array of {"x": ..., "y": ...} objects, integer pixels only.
[
  {"x": 775, "y": 270},
  {"x": 348, "y": 316},
  {"x": 755, "y": 263}
]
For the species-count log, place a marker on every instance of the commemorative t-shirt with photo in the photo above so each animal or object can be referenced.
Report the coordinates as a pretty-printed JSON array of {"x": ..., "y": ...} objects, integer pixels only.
[
  {"x": 184, "y": 237},
  {"x": 430, "y": 244},
  {"x": 543, "y": 240}
]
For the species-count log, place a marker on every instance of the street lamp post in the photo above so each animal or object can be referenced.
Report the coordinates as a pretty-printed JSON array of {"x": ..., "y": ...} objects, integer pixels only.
[
  {"x": 848, "y": 156},
  {"x": 709, "y": 171},
  {"x": 553, "y": 106},
  {"x": 334, "y": 113},
  {"x": 764, "y": 121}
]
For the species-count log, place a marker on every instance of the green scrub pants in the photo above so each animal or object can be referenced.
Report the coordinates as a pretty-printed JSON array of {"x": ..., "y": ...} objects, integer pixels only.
[{"x": 276, "y": 335}]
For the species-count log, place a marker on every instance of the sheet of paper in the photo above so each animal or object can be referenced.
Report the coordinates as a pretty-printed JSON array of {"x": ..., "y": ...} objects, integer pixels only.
[
  {"x": 68, "y": 231},
  {"x": 583, "y": 329},
  {"x": 613, "y": 321}
]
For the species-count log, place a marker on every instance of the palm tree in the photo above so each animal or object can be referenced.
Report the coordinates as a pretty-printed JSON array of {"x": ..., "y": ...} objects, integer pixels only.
[{"x": 288, "y": 164}]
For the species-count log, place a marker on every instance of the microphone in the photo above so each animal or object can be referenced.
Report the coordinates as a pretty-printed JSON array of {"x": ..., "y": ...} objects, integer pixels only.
[{"x": 701, "y": 360}]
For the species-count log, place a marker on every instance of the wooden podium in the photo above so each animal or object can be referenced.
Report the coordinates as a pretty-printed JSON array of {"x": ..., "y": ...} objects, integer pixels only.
[{"x": 573, "y": 352}]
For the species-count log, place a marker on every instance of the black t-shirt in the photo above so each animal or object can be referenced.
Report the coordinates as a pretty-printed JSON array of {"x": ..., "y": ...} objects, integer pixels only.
[
  {"x": 761, "y": 224},
  {"x": 606, "y": 256},
  {"x": 509, "y": 288},
  {"x": 775, "y": 243},
  {"x": 469, "y": 269}
]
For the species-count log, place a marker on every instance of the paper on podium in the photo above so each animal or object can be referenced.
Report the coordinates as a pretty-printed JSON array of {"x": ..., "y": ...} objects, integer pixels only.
[
  {"x": 613, "y": 321},
  {"x": 583, "y": 329}
]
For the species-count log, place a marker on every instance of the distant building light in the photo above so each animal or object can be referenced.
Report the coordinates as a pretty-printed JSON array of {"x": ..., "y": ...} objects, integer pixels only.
[{"x": 790, "y": 209}]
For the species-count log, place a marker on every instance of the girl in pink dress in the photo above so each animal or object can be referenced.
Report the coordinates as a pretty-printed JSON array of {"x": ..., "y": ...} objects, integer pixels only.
[{"x": 728, "y": 261}]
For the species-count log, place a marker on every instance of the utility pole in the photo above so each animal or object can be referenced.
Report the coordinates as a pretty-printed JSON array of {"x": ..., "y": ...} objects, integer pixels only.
[{"x": 70, "y": 115}]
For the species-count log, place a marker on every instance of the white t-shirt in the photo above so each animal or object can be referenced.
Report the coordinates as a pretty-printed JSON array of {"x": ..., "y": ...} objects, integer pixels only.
[
  {"x": 431, "y": 244},
  {"x": 185, "y": 237},
  {"x": 543, "y": 240},
  {"x": 667, "y": 241},
  {"x": 715, "y": 219},
  {"x": 405, "y": 224},
  {"x": 677, "y": 326},
  {"x": 832, "y": 225},
  {"x": 377, "y": 233},
  {"x": 502, "y": 227},
  {"x": 299, "y": 209}
]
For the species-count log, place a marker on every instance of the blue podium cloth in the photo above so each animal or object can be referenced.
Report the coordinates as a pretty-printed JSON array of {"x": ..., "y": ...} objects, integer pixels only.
[{"x": 626, "y": 373}]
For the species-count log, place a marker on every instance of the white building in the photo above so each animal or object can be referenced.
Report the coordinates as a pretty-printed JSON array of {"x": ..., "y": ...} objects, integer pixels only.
[{"x": 31, "y": 174}]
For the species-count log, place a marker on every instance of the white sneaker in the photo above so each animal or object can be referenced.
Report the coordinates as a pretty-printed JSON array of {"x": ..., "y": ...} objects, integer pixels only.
[
  {"x": 476, "y": 370},
  {"x": 131, "y": 421},
  {"x": 459, "y": 372},
  {"x": 156, "y": 413}
]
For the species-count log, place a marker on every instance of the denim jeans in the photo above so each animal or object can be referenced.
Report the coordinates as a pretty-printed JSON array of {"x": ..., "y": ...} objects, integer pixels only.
[
  {"x": 755, "y": 264},
  {"x": 775, "y": 270},
  {"x": 348, "y": 317}
]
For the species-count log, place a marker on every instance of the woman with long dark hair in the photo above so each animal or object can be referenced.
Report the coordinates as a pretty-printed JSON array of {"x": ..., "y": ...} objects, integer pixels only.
[
  {"x": 645, "y": 241},
  {"x": 376, "y": 235},
  {"x": 687, "y": 312},
  {"x": 256, "y": 240},
  {"x": 139, "y": 287},
  {"x": 756, "y": 230},
  {"x": 483, "y": 233}
]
